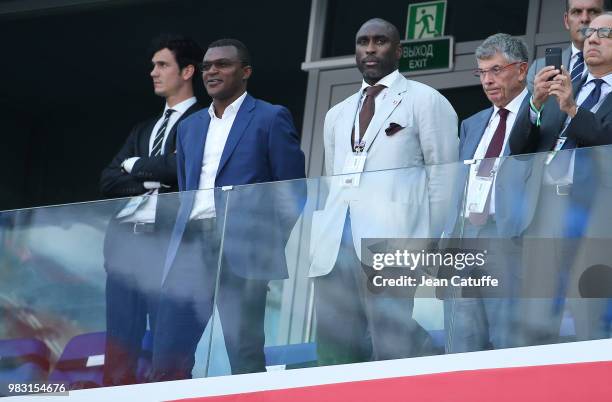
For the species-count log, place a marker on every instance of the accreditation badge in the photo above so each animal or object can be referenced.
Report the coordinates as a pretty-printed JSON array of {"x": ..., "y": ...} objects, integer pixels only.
[
  {"x": 353, "y": 167},
  {"x": 478, "y": 191}
]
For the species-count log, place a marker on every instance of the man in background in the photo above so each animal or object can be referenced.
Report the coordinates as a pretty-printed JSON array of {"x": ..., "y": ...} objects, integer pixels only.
[{"x": 578, "y": 14}]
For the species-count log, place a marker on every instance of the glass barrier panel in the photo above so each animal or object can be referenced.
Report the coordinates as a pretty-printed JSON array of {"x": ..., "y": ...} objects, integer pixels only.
[
  {"x": 546, "y": 276},
  {"x": 312, "y": 304},
  {"x": 405, "y": 263},
  {"x": 381, "y": 265},
  {"x": 81, "y": 286}
]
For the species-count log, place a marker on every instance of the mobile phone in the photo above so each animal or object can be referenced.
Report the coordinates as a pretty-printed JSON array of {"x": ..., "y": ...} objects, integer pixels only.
[{"x": 552, "y": 57}]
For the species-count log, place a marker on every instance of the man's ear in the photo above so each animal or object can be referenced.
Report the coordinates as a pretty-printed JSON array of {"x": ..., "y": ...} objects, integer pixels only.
[
  {"x": 188, "y": 72},
  {"x": 565, "y": 21},
  {"x": 523, "y": 70},
  {"x": 398, "y": 51},
  {"x": 247, "y": 71}
]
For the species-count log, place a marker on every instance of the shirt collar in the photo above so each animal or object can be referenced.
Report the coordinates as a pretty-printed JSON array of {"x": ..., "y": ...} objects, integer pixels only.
[
  {"x": 575, "y": 51},
  {"x": 231, "y": 109},
  {"x": 181, "y": 107},
  {"x": 514, "y": 105},
  {"x": 387, "y": 80},
  {"x": 606, "y": 78}
]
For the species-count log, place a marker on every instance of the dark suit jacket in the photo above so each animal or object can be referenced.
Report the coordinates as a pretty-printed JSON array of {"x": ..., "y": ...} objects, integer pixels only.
[
  {"x": 262, "y": 146},
  {"x": 587, "y": 129},
  {"x": 114, "y": 182}
]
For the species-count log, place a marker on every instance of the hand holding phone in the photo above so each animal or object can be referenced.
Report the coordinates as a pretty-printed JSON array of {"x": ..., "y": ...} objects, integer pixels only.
[{"x": 552, "y": 57}]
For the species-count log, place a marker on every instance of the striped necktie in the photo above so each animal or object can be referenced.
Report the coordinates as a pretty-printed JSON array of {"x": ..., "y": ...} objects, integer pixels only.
[
  {"x": 578, "y": 67},
  {"x": 559, "y": 166},
  {"x": 159, "y": 137}
]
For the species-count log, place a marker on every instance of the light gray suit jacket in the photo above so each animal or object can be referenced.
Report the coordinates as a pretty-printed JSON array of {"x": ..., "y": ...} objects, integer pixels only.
[
  {"x": 538, "y": 64},
  {"x": 397, "y": 203}
]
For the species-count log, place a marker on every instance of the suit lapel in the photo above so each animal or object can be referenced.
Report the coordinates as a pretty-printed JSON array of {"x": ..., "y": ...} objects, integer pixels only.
[
  {"x": 516, "y": 127},
  {"x": 392, "y": 99},
  {"x": 143, "y": 141},
  {"x": 170, "y": 145},
  {"x": 196, "y": 143},
  {"x": 348, "y": 114},
  {"x": 605, "y": 108},
  {"x": 481, "y": 126},
  {"x": 241, "y": 122}
]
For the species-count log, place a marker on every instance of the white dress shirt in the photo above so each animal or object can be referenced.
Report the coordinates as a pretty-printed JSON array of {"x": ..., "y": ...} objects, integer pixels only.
[
  {"x": 606, "y": 88},
  {"x": 146, "y": 210},
  {"x": 513, "y": 109},
  {"x": 386, "y": 81},
  {"x": 218, "y": 131}
]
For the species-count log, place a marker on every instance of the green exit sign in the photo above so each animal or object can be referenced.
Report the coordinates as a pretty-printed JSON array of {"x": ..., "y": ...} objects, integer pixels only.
[{"x": 427, "y": 55}]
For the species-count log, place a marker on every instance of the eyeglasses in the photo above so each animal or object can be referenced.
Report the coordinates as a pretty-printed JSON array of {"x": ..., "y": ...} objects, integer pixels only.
[
  {"x": 601, "y": 32},
  {"x": 219, "y": 65},
  {"x": 495, "y": 70}
]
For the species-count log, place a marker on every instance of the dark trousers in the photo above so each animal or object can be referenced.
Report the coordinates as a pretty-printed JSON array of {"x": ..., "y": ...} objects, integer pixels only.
[
  {"x": 356, "y": 325},
  {"x": 133, "y": 264},
  {"x": 187, "y": 302}
]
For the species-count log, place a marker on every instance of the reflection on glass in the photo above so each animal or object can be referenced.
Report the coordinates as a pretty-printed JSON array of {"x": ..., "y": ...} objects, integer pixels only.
[{"x": 286, "y": 286}]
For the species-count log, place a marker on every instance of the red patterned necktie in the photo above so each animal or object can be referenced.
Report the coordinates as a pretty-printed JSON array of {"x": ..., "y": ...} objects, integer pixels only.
[{"x": 486, "y": 165}]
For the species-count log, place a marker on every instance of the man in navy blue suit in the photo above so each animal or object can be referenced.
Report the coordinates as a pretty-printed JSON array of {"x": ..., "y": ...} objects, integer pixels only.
[{"x": 238, "y": 140}]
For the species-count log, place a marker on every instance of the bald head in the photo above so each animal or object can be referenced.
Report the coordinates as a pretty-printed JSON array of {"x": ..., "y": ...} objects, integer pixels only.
[
  {"x": 598, "y": 51},
  {"x": 386, "y": 26},
  {"x": 377, "y": 49}
]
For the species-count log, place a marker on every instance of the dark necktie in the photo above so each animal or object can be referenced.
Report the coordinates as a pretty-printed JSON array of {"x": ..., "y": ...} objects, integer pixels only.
[
  {"x": 156, "y": 150},
  {"x": 578, "y": 67},
  {"x": 487, "y": 164},
  {"x": 559, "y": 166},
  {"x": 594, "y": 96},
  {"x": 368, "y": 108}
]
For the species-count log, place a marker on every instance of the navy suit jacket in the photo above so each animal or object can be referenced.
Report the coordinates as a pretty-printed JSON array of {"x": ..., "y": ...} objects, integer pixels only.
[
  {"x": 513, "y": 204},
  {"x": 588, "y": 129},
  {"x": 262, "y": 146}
]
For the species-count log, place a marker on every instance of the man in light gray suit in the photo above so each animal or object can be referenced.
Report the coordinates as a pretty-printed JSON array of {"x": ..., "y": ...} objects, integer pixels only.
[
  {"x": 390, "y": 123},
  {"x": 578, "y": 14},
  {"x": 506, "y": 209}
]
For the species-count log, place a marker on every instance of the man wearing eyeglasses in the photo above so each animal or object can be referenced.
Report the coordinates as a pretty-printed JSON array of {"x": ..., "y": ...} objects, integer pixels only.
[
  {"x": 578, "y": 14},
  {"x": 567, "y": 115},
  {"x": 238, "y": 140},
  {"x": 486, "y": 322}
]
